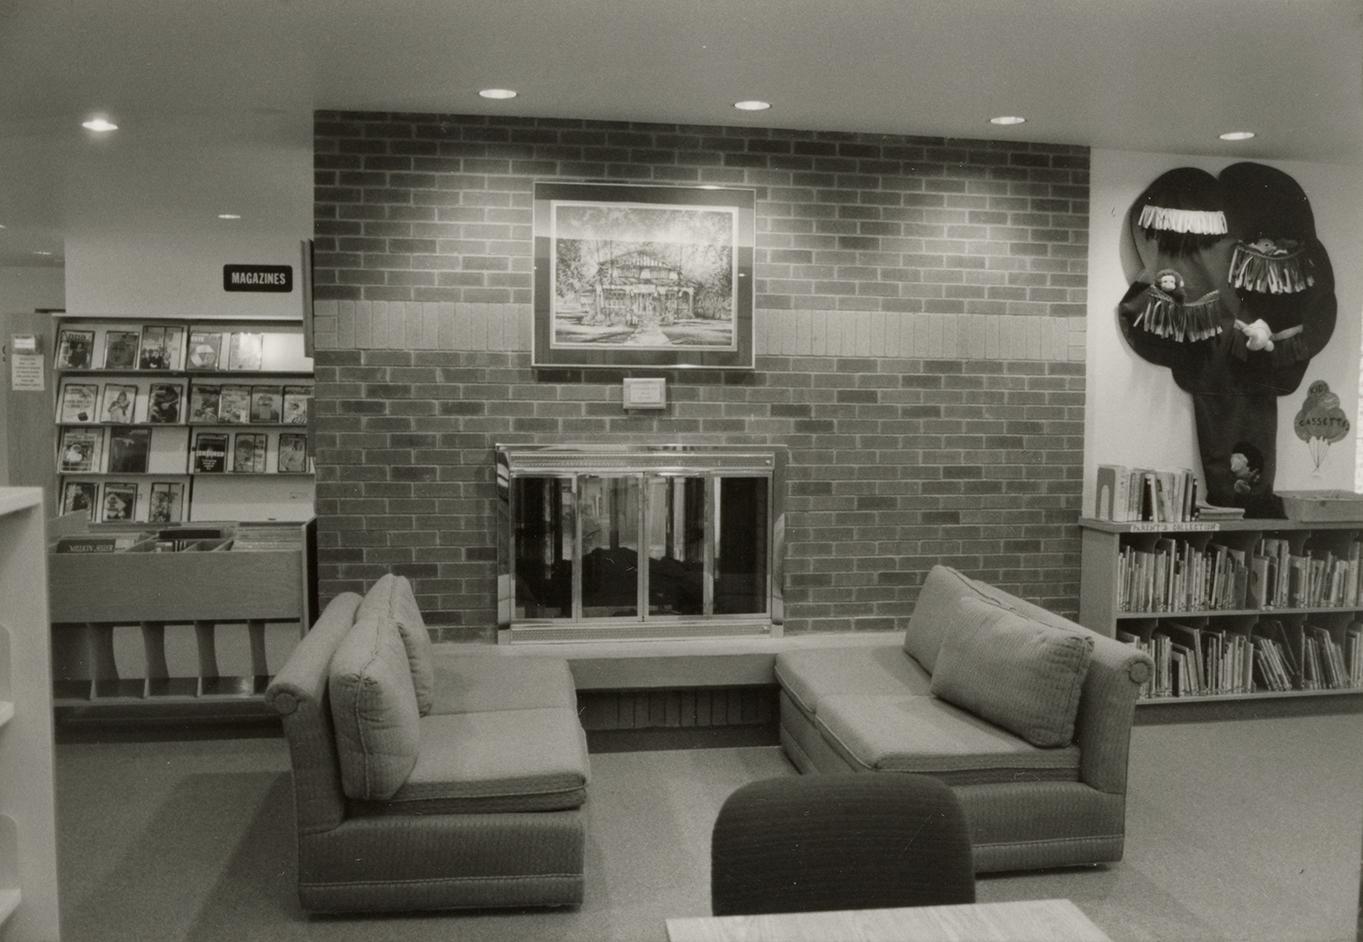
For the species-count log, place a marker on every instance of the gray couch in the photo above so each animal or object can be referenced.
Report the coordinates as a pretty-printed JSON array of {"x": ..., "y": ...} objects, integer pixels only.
[
  {"x": 428, "y": 780},
  {"x": 1025, "y": 714}
]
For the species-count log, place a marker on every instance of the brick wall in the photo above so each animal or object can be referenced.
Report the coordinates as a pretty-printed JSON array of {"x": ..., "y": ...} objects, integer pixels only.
[{"x": 919, "y": 326}]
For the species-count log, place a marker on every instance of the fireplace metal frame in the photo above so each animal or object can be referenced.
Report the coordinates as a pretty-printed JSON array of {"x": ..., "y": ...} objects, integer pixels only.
[{"x": 576, "y": 461}]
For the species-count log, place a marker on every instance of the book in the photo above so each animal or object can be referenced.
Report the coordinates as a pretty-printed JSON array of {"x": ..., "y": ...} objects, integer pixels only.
[
  {"x": 128, "y": 449},
  {"x": 80, "y": 449},
  {"x": 74, "y": 349},
  {"x": 205, "y": 348},
  {"x": 161, "y": 347},
  {"x": 167, "y": 502},
  {"x": 246, "y": 351},
  {"x": 120, "y": 350},
  {"x": 203, "y": 403},
  {"x": 266, "y": 403},
  {"x": 120, "y": 501},
  {"x": 163, "y": 403},
  {"x": 210, "y": 452},
  {"x": 293, "y": 453},
  {"x": 235, "y": 405},
  {"x": 118, "y": 403},
  {"x": 248, "y": 452},
  {"x": 296, "y": 400},
  {"x": 87, "y": 544},
  {"x": 78, "y": 403},
  {"x": 79, "y": 495}
]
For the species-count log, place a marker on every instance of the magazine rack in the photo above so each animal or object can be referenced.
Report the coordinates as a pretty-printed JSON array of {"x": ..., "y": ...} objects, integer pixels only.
[{"x": 202, "y": 613}]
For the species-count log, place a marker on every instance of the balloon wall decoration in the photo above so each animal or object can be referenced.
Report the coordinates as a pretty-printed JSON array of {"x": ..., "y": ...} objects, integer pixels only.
[
  {"x": 1235, "y": 295},
  {"x": 1320, "y": 422}
]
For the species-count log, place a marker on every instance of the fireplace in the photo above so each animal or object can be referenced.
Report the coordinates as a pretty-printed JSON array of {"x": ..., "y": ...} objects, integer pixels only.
[{"x": 599, "y": 542}]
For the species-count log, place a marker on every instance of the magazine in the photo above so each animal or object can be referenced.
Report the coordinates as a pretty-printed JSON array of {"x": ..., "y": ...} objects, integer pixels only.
[
  {"x": 203, "y": 403},
  {"x": 167, "y": 502},
  {"x": 120, "y": 501},
  {"x": 74, "y": 349},
  {"x": 266, "y": 402},
  {"x": 128, "y": 449},
  {"x": 246, "y": 351},
  {"x": 293, "y": 453},
  {"x": 205, "y": 348},
  {"x": 118, "y": 403},
  {"x": 161, "y": 347},
  {"x": 295, "y": 410},
  {"x": 80, "y": 449},
  {"x": 210, "y": 452},
  {"x": 120, "y": 350},
  {"x": 78, "y": 403},
  {"x": 248, "y": 452},
  {"x": 79, "y": 495},
  {"x": 235, "y": 406},
  {"x": 163, "y": 403}
]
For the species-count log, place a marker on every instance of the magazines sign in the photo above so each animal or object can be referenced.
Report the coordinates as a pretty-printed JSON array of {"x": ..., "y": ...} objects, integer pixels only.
[{"x": 257, "y": 278}]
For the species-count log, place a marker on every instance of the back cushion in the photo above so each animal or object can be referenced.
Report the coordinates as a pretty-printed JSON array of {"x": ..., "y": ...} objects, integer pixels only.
[
  {"x": 936, "y": 613},
  {"x": 373, "y": 708},
  {"x": 391, "y": 599},
  {"x": 1017, "y": 673}
]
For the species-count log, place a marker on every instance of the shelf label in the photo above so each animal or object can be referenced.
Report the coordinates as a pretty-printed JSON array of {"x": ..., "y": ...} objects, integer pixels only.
[
  {"x": 257, "y": 278},
  {"x": 1190, "y": 526}
]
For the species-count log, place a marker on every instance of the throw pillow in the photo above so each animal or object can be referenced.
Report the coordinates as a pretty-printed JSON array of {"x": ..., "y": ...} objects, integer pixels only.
[
  {"x": 392, "y": 599},
  {"x": 1015, "y": 672},
  {"x": 936, "y": 613},
  {"x": 373, "y": 709}
]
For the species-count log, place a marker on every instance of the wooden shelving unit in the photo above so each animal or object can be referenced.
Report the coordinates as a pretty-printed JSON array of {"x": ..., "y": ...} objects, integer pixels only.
[
  {"x": 209, "y": 624},
  {"x": 1101, "y": 606},
  {"x": 28, "y": 839},
  {"x": 277, "y": 486}
]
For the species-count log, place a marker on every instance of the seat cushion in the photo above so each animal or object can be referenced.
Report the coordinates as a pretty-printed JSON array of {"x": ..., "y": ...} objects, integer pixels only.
[
  {"x": 937, "y": 613},
  {"x": 475, "y": 683},
  {"x": 501, "y": 761},
  {"x": 809, "y": 675},
  {"x": 392, "y": 598},
  {"x": 1011, "y": 670},
  {"x": 373, "y": 710},
  {"x": 932, "y": 737}
]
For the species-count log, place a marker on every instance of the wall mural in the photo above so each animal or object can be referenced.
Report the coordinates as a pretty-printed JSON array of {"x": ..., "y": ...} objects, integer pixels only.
[{"x": 1235, "y": 295}]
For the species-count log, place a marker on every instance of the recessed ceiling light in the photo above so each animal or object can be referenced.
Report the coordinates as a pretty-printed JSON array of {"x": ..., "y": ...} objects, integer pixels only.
[
  {"x": 40, "y": 252},
  {"x": 499, "y": 94},
  {"x": 1236, "y": 135},
  {"x": 752, "y": 104},
  {"x": 228, "y": 216},
  {"x": 100, "y": 124},
  {"x": 1008, "y": 120}
]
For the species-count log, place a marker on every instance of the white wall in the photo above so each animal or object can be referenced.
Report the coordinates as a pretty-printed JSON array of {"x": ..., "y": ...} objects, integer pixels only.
[
  {"x": 1136, "y": 414},
  {"x": 27, "y": 288},
  {"x": 142, "y": 234}
]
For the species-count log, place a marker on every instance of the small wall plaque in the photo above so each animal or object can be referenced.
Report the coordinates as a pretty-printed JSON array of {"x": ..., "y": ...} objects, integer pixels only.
[{"x": 645, "y": 393}]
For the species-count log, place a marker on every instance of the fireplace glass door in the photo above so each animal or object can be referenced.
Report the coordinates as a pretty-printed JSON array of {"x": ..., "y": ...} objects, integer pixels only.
[{"x": 671, "y": 546}]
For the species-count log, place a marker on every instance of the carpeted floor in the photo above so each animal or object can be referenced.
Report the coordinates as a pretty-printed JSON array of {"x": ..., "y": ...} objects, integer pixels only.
[{"x": 1237, "y": 831}]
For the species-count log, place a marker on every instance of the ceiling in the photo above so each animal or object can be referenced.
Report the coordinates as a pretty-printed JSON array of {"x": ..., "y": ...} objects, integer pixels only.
[{"x": 1149, "y": 75}]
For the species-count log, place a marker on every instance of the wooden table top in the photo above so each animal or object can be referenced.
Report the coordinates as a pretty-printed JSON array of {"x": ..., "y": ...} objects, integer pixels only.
[{"x": 1045, "y": 920}]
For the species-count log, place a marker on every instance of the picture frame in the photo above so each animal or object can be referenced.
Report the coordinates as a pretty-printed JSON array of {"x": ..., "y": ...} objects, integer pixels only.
[{"x": 634, "y": 275}]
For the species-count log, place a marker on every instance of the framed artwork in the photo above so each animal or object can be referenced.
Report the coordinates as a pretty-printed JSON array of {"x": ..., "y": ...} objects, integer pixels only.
[{"x": 643, "y": 276}]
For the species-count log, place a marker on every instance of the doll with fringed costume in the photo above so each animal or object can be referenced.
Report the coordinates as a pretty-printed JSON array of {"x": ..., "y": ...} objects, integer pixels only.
[{"x": 1234, "y": 295}]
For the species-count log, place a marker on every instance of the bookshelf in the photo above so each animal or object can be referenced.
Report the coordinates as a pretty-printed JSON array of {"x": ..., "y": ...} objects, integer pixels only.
[
  {"x": 231, "y": 601},
  {"x": 1231, "y": 609},
  {"x": 28, "y": 852},
  {"x": 170, "y": 421}
]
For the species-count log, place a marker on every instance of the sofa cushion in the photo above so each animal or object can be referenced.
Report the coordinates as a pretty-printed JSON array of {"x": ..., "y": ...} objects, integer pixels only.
[
  {"x": 937, "y": 613},
  {"x": 930, "y": 736},
  {"x": 1022, "y": 674},
  {"x": 392, "y": 597},
  {"x": 499, "y": 761},
  {"x": 809, "y": 675},
  {"x": 373, "y": 710},
  {"x": 476, "y": 683}
]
